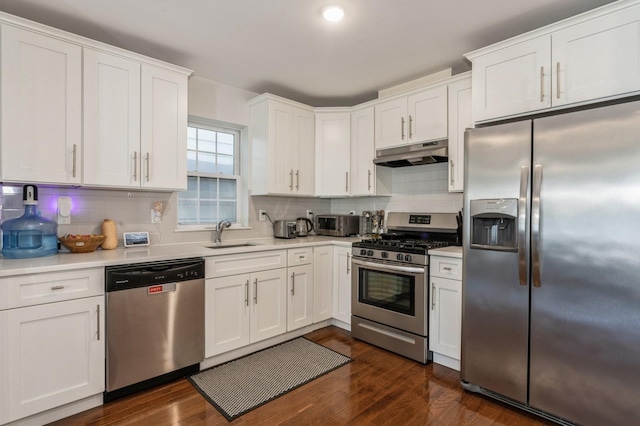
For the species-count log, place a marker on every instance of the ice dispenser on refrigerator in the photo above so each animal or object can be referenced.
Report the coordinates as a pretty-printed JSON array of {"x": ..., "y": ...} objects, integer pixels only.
[{"x": 494, "y": 224}]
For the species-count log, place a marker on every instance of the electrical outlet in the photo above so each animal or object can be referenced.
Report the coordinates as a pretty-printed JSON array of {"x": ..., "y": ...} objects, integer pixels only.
[
  {"x": 352, "y": 212},
  {"x": 261, "y": 215},
  {"x": 309, "y": 215},
  {"x": 156, "y": 216},
  {"x": 64, "y": 210}
]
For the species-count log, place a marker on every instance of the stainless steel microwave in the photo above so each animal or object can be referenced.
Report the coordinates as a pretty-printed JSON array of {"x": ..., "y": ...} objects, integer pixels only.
[{"x": 337, "y": 225}]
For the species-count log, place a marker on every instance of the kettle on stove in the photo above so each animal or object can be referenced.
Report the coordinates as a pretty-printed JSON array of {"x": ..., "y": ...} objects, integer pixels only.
[{"x": 303, "y": 226}]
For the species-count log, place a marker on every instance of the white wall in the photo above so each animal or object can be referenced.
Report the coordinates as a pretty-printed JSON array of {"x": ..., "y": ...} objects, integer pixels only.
[{"x": 217, "y": 101}]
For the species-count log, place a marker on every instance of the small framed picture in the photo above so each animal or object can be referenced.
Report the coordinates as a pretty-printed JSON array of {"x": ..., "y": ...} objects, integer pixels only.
[{"x": 135, "y": 239}]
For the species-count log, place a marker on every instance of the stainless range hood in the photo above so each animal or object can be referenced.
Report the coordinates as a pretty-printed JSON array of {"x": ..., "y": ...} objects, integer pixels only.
[{"x": 413, "y": 155}]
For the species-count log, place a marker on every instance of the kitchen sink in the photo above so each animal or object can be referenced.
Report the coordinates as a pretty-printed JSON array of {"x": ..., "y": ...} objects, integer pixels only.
[{"x": 223, "y": 246}]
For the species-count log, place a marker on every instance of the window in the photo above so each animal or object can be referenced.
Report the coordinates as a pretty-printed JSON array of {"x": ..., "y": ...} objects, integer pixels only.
[{"x": 213, "y": 181}]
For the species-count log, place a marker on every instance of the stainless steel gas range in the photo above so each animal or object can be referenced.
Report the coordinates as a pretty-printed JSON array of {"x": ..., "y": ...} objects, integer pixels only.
[{"x": 390, "y": 290}]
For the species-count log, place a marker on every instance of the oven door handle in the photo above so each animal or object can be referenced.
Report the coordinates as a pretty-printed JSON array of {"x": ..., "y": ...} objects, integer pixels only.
[{"x": 387, "y": 267}]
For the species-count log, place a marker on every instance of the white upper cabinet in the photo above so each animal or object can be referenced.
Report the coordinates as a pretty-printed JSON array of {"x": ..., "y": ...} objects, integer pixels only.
[
  {"x": 390, "y": 123},
  {"x": 597, "y": 58},
  {"x": 41, "y": 89},
  {"x": 333, "y": 153},
  {"x": 282, "y": 147},
  {"x": 512, "y": 80},
  {"x": 459, "y": 121},
  {"x": 588, "y": 58},
  {"x": 427, "y": 115},
  {"x": 82, "y": 113},
  {"x": 163, "y": 144},
  {"x": 303, "y": 136},
  {"x": 417, "y": 117},
  {"x": 366, "y": 178},
  {"x": 362, "y": 152},
  {"x": 135, "y": 121},
  {"x": 111, "y": 120}
]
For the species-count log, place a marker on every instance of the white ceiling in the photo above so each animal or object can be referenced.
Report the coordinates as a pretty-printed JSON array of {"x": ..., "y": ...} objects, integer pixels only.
[{"x": 286, "y": 48}]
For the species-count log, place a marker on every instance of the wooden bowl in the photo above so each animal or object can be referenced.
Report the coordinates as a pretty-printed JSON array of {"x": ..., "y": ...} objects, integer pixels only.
[{"x": 82, "y": 243}]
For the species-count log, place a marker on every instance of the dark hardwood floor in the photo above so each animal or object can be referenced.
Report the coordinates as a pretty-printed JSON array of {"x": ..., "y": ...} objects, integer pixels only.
[{"x": 377, "y": 388}]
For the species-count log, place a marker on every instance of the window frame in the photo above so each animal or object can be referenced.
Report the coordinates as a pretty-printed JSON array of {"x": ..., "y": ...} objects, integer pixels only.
[{"x": 217, "y": 127}]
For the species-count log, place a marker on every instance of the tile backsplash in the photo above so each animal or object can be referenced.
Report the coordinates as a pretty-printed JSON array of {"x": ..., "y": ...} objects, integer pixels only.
[
  {"x": 414, "y": 189},
  {"x": 417, "y": 188}
]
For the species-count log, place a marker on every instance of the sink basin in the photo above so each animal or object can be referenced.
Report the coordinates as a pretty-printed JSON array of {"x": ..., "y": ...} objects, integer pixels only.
[{"x": 224, "y": 246}]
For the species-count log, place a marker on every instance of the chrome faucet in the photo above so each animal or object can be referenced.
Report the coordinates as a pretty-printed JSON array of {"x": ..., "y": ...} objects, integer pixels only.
[{"x": 219, "y": 228}]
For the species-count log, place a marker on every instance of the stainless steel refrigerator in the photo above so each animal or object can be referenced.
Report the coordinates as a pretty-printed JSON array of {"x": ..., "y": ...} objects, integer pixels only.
[{"x": 551, "y": 299}]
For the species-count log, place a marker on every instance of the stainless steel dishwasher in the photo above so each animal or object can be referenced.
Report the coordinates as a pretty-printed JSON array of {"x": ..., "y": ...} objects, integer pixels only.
[{"x": 154, "y": 323}]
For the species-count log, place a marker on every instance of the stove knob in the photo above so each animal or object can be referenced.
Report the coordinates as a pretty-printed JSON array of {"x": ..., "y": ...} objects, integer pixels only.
[
  {"x": 369, "y": 252},
  {"x": 407, "y": 257},
  {"x": 363, "y": 252},
  {"x": 384, "y": 255},
  {"x": 399, "y": 256}
]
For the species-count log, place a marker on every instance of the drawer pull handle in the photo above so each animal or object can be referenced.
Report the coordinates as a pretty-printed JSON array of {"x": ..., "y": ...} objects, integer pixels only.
[
  {"x": 148, "y": 168},
  {"x": 541, "y": 84},
  {"x": 293, "y": 284},
  {"x": 135, "y": 166},
  {"x": 255, "y": 292},
  {"x": 446, "y": 268},
  {"x": 451, "y": 172},
  {"x": 433, "y": 296},
  {"x": 98, "y": 321},
  {"x": 74, "y": 160},
  {"x": 57, "y": 287},
  {"x": 410, "y": 127},
  {"x": 558, "y": 80}
]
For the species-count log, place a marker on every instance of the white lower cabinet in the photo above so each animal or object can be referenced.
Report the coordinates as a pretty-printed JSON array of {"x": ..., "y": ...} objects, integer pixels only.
[
  {"x": 342, "y": 284},
  {"x": 300, "y": 296},
  {"x": 445, "y": 315},
  {"x": 322, "y": 283},
  {"x": 300, "y": 287},
  {"x": 244, "y": 309},
  {"x": 50, "y": 355}
]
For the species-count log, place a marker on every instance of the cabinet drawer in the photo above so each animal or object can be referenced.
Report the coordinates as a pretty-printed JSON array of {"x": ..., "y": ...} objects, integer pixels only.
[
  {"x": 446, "y": 267},
  {"x": 36, "y": 289},
  {"x": 222, "y": 266},
  {"x": 300, "y": 256}
]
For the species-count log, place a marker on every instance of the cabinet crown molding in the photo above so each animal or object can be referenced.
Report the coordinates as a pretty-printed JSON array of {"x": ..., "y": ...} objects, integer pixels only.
[
  {"x": 272, "y": 97},
  {"x": 548, "y": 29},
  {"x": 25, "y": 24}
]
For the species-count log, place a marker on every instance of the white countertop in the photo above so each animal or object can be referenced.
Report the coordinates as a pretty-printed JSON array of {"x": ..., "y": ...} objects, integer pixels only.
[
  {"x": 451, "y": 251},
  {"x": 120, "y": 256}
]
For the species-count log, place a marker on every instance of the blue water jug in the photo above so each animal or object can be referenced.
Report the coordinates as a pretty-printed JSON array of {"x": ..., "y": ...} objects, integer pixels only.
[{"x": 30, "y": 235}]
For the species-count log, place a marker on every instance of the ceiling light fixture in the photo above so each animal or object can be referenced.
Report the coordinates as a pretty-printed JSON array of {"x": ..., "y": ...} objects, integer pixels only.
[{"x": 333, "y": 13}]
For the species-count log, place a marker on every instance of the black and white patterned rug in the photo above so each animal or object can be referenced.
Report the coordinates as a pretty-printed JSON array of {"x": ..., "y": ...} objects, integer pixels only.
[{"x": 241, "y": 385}]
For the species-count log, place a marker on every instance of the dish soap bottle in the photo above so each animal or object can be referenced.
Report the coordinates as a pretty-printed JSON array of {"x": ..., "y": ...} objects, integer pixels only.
[{"x": 30, "y": 235}]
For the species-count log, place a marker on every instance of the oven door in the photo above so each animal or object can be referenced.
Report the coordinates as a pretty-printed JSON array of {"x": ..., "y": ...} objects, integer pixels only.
[{"x": 391, "y": 294}]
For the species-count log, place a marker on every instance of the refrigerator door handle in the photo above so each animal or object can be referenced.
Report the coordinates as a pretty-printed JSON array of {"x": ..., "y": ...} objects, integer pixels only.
[
  {"x": 522, "y": 225},
  {"x": 535, "y": 224}
]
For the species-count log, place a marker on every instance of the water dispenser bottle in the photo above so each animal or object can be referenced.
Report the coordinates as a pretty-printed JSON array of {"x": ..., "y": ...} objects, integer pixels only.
[{"x": 30, "y": 235}]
